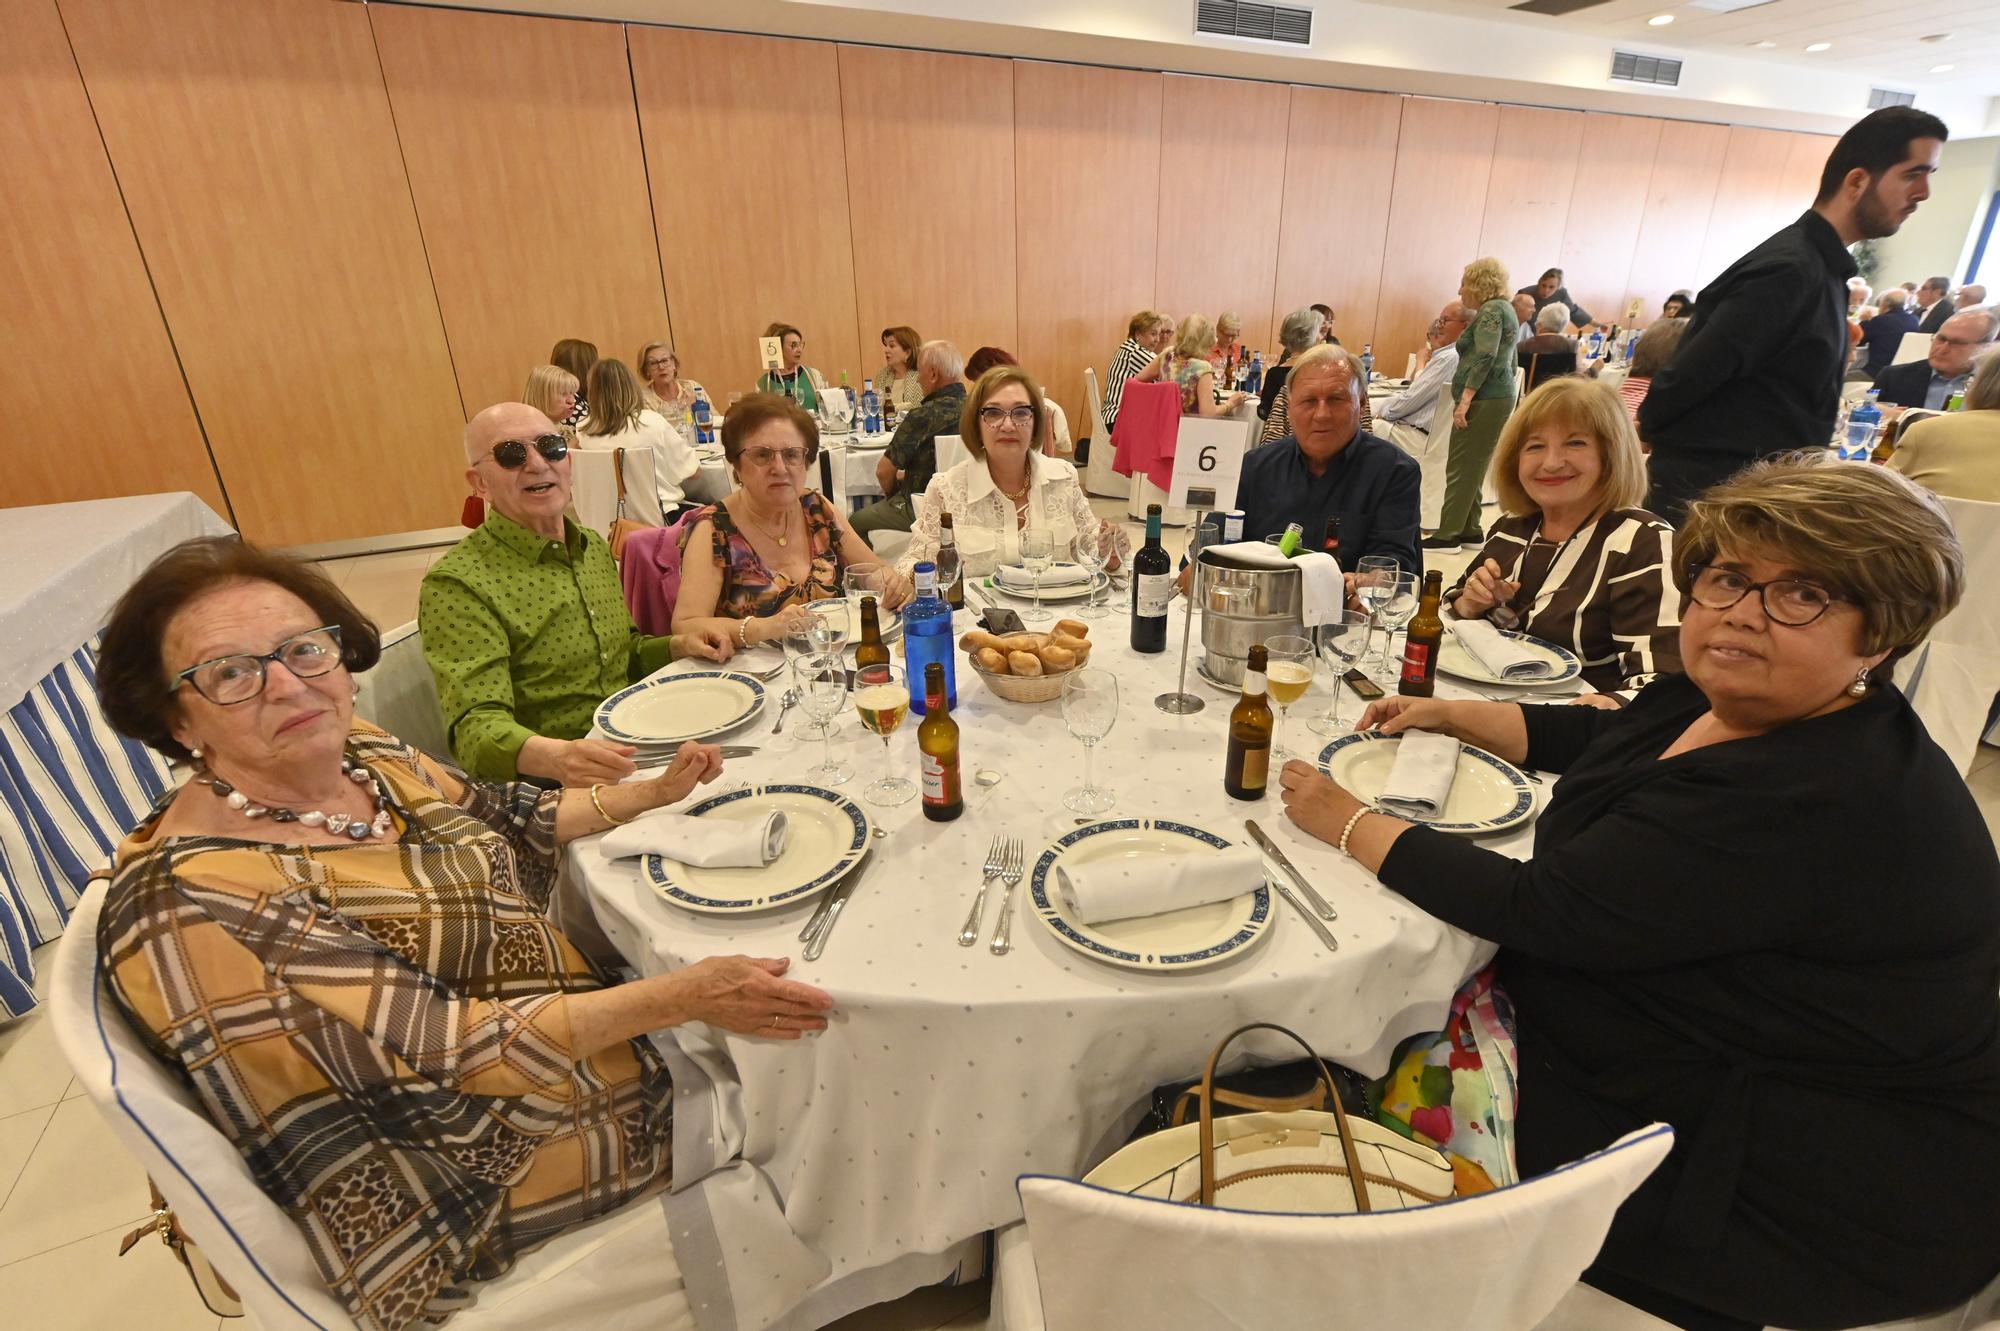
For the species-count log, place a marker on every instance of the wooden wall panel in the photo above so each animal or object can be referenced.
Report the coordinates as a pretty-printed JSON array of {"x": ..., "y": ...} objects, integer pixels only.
[
  {"x": 1444, "y": 163},
  {"x": 749, "y": 184},
  {"x": 1613, "y": 168},
  {"x": 1804, "y": 160},
  {"x": 1528, "y": 196},
  {"x": 522, "y": 147},
  {"x": 1340, "y": 169},
  {"x": 254, "y": 144},
  {"x": 1679, "y": 198},
  {"x": 1077, "y": 292},
  {"x": 85, "y": 364},
  {"x": 930, "y": 186},
  {"x": 1222, "y": 171},
  {"x": 1748, "y": 196}
]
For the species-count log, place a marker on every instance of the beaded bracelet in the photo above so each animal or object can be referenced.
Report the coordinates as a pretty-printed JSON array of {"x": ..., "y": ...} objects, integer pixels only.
[
  {"x": 1348, "y": 830},
  {"x": 743, "y": 633},
  {"x": 598, "y": 804}
]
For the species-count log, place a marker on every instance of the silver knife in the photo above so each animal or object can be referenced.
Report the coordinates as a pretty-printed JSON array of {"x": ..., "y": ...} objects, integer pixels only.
[
  {"x": 841, "y": 892},
  {"x": 1325, "y": 911},
  {"x": 1325, "y": 934},
  {"x": 738, "y": 750}
]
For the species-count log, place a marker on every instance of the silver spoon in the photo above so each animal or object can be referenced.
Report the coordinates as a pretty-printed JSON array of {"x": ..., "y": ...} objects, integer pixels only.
[{"x": 785, "y": 704}]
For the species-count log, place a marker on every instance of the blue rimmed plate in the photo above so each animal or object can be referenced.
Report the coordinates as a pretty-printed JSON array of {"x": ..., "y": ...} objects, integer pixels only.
[
  {"x": 667, "y": 709},
  {"x": 1563, "y": 665},
  {"x": 826, "y": 834},
  {"x": 1177, "y": 940},
  {"x": 1488, "y": 794}
]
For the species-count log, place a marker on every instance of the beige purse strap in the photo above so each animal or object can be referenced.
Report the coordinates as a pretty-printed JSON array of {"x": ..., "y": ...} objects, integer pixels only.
[
  {"x": 618, "y": 469},
  {"x": 1208, "y": 1094},
  {"x": 167, "y": 1225},
  {"x": 1279, "y": 1104}
]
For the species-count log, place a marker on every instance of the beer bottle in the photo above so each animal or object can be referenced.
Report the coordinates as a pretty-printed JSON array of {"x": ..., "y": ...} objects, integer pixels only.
[
  {"x": 937, "y": 745},
  {"x": 870, "y": 652},
  {"x": 1247, "y": 769},
  {"x": 1330, "y": 542},
  {"x": 950, "y": 569},
  {"x": 1420, "y": 648}
]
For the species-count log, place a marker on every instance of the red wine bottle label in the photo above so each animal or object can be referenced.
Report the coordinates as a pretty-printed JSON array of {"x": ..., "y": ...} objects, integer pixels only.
[
  {"x": 1416, "y": 662},
  {"x": 940, "y": 784}
]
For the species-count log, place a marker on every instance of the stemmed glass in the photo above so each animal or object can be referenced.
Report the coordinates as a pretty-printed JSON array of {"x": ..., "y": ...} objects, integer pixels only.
[
  {"x": 882, "y": 698},
  {"x": 1037, "y": 548},
  {"x": 1374, "y": 576},
  {"x": 1342, "y": 642},
  {"x": 822, "y": 683},
  {"x": 1398, "y": 608},
  {"x": 1090, "y": 709},
  {"x": 824, "y": 634},
  {"x": 1090, "y": 553},
  {"x": 1288, "y": 673}
]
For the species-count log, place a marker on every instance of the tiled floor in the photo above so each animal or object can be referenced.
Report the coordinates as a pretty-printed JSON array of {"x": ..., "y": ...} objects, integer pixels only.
[{"x": 68, "y": 1190}]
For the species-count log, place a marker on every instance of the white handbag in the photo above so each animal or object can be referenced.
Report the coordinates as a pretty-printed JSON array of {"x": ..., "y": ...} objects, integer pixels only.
[{"x": 1298, "y": 1161}]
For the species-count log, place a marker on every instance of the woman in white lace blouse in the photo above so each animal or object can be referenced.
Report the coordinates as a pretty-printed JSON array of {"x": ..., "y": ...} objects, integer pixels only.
[{"x": 1008, "y": 485}]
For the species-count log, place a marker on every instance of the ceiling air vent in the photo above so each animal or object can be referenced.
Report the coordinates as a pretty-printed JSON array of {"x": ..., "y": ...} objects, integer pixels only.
[
  {"x": 1264, "y": 23},
  {"x": 1880, "y": 97},
  {"x": 1555, "y": 8},
  {"x": 1634, "y": 68}
]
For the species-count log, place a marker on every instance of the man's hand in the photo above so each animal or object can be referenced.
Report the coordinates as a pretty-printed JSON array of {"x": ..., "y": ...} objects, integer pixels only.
[
  {"x": 593, "y": 762},
  {"x": 708, "y": 644}
]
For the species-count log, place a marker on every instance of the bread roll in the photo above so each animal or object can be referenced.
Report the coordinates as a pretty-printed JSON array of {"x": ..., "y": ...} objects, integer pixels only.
[
  {"x": 1082, "y": 655},
  {"x": 1023, "y": 642},
  {"x": 1075, "y": 628},
  {"x": 1024, "y": 663},
  {"x": 1068, "y": 641},
  {"x": 1056, "y": 659},
  {"x": 991, "y": 659},
  {"x": 978, "y": 639}
]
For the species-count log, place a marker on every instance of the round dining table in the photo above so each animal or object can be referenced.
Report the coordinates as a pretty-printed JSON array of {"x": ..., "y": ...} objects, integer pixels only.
[{"x": 818, "y": 1176}]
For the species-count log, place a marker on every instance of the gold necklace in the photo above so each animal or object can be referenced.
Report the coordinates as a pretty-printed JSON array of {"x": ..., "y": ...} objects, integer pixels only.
[{"x": 782, "y": 536}]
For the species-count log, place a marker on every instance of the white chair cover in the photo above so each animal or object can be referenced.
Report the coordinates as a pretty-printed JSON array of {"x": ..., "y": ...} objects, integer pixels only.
[
  {"x": 400, "y": 694},
  {"x": 1914, "y": 346},
  {"x": 1957, "y": 671},
  {"x": 1098, "y": 477},
  {"x": 950, "y": 451},
  {"x": 1108, "y": 1262},
  {"x": 593, "y": 497},
  {"x": 615, "y": 1274}
]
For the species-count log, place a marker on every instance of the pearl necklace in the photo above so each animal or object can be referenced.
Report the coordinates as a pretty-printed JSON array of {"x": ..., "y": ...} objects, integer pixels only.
[{"x": 353, "y": 828}]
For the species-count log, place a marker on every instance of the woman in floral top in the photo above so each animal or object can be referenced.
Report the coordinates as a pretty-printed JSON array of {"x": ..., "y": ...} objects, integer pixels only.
[{"x": 1195, "y": 375}]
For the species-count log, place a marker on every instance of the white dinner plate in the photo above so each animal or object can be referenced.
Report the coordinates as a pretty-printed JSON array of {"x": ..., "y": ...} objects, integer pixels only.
[
  {"x": 670, "y": 708},
  {"x": 1060, "y": 583},
  {"x": 1488, "y": 794},
  {"x": 826, "y": 834},
  {"x": 864, "y": 443},
  {"x": 1455, "y": 661},
  {"x": 1174, "y": 941}
]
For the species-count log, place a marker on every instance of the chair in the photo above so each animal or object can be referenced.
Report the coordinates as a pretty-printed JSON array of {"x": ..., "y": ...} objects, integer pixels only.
[
  {"x": 593, "y": 498},
  {"x": 574, "y": 1280},
  {"x": 1914, "y": 346},
  {"x": 399, "y": 693},
  {"x": 1108, "y": 1262},
  {"x": 1956, "y": 672},
  {"x": 1098, "y": 477},
  {"x": 951, "y": 451},
  {"x": 1554, "y": 365}
]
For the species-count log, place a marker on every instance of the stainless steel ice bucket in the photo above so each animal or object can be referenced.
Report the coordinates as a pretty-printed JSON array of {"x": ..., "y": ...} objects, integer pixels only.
[{"x": 1241, "y": 606}]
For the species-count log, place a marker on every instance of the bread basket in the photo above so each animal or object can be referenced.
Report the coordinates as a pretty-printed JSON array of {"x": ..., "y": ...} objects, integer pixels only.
[{"x": 1022, "y": 688}]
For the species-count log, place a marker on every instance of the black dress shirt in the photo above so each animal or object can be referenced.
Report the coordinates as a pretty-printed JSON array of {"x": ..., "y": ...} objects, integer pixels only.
[
  {"x": 1759, "y": 369},
  {"x": 1373, "y": 486}
]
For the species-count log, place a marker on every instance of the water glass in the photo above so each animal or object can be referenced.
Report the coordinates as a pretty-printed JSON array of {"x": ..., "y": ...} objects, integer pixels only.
[
  {"x": 860, "y": 582},
  {"x": 1037, "y": 549},
  {"x": 882, "y": 697},
  {"x": 1288, "y": 673},
  {"x": 1398, "y": 608},
  {"x": 822, "y": 685},
  {"x": 1374, "y": 575},
  {"x": 1090, "y": 553},
  {"x": 1090, "y": 709},
  {"x": 1342, "y": 642}
]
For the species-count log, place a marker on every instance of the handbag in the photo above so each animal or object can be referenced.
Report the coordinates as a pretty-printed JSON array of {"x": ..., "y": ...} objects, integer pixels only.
[
  {"x": 1296, "y": 1161},
  {"x": 622, "y": 527}
]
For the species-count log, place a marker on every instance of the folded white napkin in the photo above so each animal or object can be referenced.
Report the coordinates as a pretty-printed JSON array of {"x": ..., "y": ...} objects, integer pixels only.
[
  {"x": 1501, "y": 655},
  {"x": 706, "y": 843},
  {"x": 1322, "y": 589},
  {"x": 1132, "y": 885},
  {"x": 1055, "y": 575},
  {"x": 1420, "y": 782}
]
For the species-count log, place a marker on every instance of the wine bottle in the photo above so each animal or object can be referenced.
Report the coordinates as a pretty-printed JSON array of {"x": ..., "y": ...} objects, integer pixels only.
[
  {"x": 1420, "y": 646},
  {"x": 1330, "y": 543},
  {"x": 1152, "y": 587},
  {"x": 950, "y": 568},
  {"x": 870, "y": 651},
  {"x": 937, "y": 747},
  {"x": 1247, "y": 769}
]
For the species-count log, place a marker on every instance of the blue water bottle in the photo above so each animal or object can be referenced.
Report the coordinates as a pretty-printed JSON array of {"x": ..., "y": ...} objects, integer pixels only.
[
  {"x": 927, "y": 638},
  {"x": 1861, "y": 423},
  {"x": 871, "y": 423},
  {"x": 1597, "y": 344},
  {"x": 1255, "y": 383},
  {"x": 703, "y": 434}
]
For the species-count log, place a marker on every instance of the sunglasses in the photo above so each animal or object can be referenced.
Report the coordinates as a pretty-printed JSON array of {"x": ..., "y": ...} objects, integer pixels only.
[{"x": 513, "y": 453}]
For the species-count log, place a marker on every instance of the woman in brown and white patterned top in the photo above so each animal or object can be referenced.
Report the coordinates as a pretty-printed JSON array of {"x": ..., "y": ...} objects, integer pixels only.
[
  {"x": 1574, "y": 560},
  {"x": 341, "y": 944}
]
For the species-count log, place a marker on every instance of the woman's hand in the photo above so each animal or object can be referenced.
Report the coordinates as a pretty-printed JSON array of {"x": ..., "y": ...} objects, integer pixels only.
[
  {"x": 693, "y": 765},
  {"x": 1394, "y": 715},
  {"x": 793, "y": 618},
  {"x": 1233, "y": 401},
  {"x": 1461, "y": 414},
  {"x": 745, "y": 995},
  {"x": 896, "y": 589},
  {"x": 591, "y": 762},
  {"x": 1315, "y": 801},
  {"x": 1107, "y": 545},
  {"x": 707, "y": 643},
  {"x": 1484, "y": 589}
]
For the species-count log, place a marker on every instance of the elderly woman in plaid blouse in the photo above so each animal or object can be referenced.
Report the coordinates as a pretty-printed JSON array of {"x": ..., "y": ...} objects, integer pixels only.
[{"x": 341, "y": 944}]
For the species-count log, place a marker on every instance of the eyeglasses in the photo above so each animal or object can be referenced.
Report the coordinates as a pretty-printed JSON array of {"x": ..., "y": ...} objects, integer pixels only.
[
  {"x": 513, "y": 453},
  {"x": 995, "y": 417},
  {"x": 764, "y": 457},
  {"x": 656, "y": 364},
  {"x": 1940, "y": 340},
  {"x": 228, "y": 680},
  {"x": 1792, "y": 602}
]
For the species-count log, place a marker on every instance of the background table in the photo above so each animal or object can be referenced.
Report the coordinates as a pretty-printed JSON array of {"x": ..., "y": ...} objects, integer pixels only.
[
  {"x": 847, "y": 474},
  {"x": 947, "y": 1071},
  {"x": 69, "y": 787}
]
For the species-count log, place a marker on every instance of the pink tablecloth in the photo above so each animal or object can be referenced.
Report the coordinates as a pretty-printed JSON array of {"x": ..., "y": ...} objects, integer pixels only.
[{"x": 1149, "y": 424}]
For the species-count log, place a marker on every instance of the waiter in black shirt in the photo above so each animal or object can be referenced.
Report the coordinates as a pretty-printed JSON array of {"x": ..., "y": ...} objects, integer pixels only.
[{"x": 1759, "y": 371}]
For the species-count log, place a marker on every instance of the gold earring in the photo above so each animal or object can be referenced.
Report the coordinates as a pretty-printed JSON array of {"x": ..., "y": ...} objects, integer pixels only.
[{"x": 1859, "y": 687}]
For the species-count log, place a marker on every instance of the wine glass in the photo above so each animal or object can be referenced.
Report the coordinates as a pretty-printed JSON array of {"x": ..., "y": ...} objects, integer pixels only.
[
  {"x": 1090, "y": 709},
  {"x": 1342, "y": 641},
  {"x": 1374, "y": 575},
  {"x": 822, "y": 684},
  {"x": 824, "y": 634},
  {"x": 1397, "y": 609},
  {"x": 1090, "y": 553},
  {"x": 1288, "y": 673},
  {"x": 1037, "y": 549},
  {"x": 882, "y": 697}
]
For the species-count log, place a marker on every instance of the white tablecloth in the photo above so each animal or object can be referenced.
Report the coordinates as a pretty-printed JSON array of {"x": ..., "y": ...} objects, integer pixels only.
[
  {"x": 947, "y": 1071},
  {"x": 69, "y": 786}
]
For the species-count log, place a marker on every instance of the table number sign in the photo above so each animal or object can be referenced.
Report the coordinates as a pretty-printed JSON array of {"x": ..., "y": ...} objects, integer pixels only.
[
  {"x": 1208, "y": 461},
  {"x": 772, "y": 351}
]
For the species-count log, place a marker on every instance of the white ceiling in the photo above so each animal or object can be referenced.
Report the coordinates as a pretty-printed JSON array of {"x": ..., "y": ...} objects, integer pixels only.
[{"x": 1878, "y": 39}]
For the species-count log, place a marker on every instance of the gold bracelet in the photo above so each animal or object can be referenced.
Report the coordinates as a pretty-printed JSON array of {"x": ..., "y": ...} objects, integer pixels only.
[
  {"x": 598, "y": 804},
  {"x": 1348, "y": 830}
]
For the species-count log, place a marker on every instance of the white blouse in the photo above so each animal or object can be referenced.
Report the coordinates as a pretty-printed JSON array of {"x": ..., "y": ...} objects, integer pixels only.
[
  {"x": 673, "y": 460},
  {"x": 983, "y": 519}
]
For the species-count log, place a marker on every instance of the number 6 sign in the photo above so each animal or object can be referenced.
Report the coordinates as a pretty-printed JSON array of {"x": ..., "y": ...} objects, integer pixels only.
[{"x": 1208, "y": 461}]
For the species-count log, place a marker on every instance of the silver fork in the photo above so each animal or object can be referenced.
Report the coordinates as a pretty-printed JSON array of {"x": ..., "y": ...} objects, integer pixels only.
[
  {"x": 1010, "y": 874},
  {"x": 970, "y": 933}
]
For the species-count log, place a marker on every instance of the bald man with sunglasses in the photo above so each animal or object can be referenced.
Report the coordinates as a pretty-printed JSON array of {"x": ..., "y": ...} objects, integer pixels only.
[{"x": 524, "y": 621}]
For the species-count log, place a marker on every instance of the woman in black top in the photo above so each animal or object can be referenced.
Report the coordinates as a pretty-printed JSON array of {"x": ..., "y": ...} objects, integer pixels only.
[
  {"x": 1763, "y": 908},
  {"x": 1299, "y": 332}
]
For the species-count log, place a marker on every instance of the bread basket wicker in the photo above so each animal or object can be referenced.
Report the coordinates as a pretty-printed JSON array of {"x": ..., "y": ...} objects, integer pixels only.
[{"x": 1022, "y": 688}]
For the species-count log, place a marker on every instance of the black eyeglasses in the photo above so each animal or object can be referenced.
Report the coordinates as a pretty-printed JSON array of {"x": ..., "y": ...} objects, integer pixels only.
[
  {"x": 1793, "y": 602},
  {"x": 228, "y": 680},
  {"x": 513, "y": 453}
]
